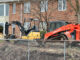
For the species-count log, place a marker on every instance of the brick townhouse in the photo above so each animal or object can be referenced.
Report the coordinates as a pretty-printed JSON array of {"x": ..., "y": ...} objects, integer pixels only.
[{"x": 19, "y": 11}]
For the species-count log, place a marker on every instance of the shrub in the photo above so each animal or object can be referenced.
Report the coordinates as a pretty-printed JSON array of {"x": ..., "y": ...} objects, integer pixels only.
[{"x": 42, "y": 33}]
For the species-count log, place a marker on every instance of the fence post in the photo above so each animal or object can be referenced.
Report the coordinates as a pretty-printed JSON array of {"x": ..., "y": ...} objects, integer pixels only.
[
  {"x": 28, "y": 51},
  {"x": 64, "y": 50}
]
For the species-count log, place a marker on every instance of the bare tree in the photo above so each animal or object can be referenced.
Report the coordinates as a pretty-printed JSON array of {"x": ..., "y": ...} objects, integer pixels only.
[
  {"x": 43, "y": 16},
  {"x": 76, "y": 8}
]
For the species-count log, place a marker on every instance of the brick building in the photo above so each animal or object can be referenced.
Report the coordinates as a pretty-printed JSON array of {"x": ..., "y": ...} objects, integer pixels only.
[{"x": 53, "y": 9}]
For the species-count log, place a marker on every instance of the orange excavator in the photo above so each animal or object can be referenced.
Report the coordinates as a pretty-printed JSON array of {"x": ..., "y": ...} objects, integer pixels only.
[{"x": 60, "y": 30}]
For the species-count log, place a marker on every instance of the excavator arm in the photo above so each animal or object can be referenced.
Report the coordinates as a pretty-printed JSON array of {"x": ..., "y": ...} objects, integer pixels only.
[{"x": 23, "y": 31}]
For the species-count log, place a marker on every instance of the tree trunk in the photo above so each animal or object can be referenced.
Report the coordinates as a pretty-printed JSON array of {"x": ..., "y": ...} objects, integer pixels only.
[{"x": 47, "y": 27}]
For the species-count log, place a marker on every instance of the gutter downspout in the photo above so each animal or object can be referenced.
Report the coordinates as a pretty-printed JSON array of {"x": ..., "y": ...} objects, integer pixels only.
[
  {"x": 21, "y": 13},
  {"x": 21, "y": 16}
]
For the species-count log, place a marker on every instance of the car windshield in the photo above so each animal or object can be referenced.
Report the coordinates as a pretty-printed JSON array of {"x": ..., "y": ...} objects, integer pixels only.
[{"x": 55, "y": 25}]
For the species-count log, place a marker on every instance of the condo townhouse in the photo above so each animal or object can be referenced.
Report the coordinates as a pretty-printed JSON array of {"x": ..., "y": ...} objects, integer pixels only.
[{"x": 21, "y": 10}]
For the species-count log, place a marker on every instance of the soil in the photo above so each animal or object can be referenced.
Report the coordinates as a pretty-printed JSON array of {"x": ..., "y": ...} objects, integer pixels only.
[{"x": 31, "y": 51}]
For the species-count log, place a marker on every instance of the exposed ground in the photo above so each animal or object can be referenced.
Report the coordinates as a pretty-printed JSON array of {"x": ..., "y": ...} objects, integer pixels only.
[{"x": 24, "y": 51}]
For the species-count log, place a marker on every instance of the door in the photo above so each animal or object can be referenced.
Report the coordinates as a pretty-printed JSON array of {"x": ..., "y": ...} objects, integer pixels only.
[{"x": 2, "y": 30}]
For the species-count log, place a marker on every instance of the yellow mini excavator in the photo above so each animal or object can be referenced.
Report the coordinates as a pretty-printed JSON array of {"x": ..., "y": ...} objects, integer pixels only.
[{"x": 29, "y": 34}]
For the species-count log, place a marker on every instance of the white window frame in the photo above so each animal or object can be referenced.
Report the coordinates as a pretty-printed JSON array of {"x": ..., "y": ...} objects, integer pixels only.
[
  {"x": 4, "y": 8},
  {"x": 62, "y": 9},
  {"x": 14, "y": 10},
  {"x": 44, "y": 6},
  {"x": 27, "y": 6},
  {"x": 41, "y": 25},
  {"x": 28, "y": 24}
]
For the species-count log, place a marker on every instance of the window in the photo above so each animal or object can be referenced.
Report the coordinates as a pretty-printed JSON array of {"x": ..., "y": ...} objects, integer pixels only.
[
  {"x": 13, "y": 28},
  {"x": 4, "y": 9},
  {"x": 27, "y": 25},
  {"x": 27, "y": 7},
  {"x": 14, "y": 8},
  {"x": 61, "y": 5},
  {"x": 7, "y": 9},
  {"x": 44, "y": 5},
  {"x": 55, "y": 25},
  {"x": 43, "y": 26},
  {"x": 52, "y": 27}
]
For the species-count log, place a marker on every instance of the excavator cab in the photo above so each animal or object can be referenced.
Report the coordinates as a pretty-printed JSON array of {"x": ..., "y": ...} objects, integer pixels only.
[
  {"x": 56, "y": 24},
  {"x": 32, "y": 34}
]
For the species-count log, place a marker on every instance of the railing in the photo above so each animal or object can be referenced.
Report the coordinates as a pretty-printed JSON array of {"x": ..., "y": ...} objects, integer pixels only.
[{"x": 31, "y": 50}]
